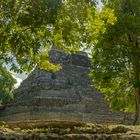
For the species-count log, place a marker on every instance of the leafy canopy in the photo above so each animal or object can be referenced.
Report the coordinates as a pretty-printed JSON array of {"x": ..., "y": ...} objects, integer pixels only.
[
  {"x": 25, "y": 28},
  {"x": 117, "y": 56},
  {"x": 28, "y": 27},
  {"x": 6, "y": 85}
]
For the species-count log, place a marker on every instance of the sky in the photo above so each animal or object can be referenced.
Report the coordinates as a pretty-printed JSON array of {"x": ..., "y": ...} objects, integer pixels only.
[
  {"x": 99, "y": 4},
  {"x": 19, "y": 77},
  {"x": 18, "y": 81}
]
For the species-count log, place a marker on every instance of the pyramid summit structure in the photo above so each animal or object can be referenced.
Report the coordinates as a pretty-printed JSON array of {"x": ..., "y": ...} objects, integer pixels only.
[{"x": 63, "y": 95}]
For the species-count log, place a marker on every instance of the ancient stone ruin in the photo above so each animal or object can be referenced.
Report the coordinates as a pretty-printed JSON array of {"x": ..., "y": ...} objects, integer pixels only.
[{"x": 63, "y": 95}]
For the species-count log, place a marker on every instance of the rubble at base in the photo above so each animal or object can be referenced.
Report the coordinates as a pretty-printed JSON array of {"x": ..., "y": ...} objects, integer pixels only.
[{"x": 66, "y": 130}]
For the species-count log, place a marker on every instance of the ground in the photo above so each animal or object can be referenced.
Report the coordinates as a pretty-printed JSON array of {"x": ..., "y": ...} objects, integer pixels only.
[{"x": 66, "y": 130}]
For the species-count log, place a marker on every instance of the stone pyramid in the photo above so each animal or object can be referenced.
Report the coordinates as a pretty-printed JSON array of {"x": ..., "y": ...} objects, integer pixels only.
[{"x": 63, "y": 95}]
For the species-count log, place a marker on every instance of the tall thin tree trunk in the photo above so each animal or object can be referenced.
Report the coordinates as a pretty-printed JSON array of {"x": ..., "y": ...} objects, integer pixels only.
[{"x": 137, "y": 112}]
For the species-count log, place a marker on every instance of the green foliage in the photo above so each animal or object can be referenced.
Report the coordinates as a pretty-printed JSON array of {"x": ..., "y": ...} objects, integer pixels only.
[
  {"x": 6, "y": 85},
  {"x": 80, "y": 24},
  {"x": 43, "y": 62},
  {"x": 117, "y": 56},
  {"x": 25, "y": 28},
  {"x": 70, "y": 31}
]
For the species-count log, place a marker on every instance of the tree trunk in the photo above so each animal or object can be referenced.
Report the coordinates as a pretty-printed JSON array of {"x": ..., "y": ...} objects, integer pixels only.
[{"x": 137, "y": 112}]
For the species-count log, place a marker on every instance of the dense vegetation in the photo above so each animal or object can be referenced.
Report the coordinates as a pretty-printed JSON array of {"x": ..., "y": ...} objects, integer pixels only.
[
  {"x": 112, "y": 33},
  {"x": 6, "y": 85}
]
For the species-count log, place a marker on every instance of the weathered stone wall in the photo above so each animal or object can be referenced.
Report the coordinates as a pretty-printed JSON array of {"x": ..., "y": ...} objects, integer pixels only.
[{"x": 63, "y": 95}]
